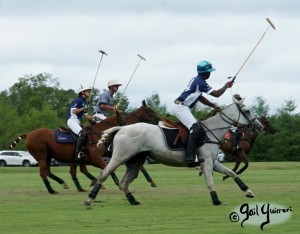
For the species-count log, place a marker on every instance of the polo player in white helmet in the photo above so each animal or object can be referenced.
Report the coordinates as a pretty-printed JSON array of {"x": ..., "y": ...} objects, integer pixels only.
[
  {"x": 105, "y": 99},
  {"x": 78, "y": 110}
]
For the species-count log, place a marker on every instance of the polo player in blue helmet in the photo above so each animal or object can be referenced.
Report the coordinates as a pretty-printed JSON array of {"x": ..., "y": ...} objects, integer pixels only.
[{"x": 186, "y": 101}]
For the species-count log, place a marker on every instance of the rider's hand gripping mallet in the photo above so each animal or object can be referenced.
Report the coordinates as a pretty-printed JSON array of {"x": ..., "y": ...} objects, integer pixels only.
[
  {"x": 141, "y": 58},
  {"x": 270, "y": 25}
]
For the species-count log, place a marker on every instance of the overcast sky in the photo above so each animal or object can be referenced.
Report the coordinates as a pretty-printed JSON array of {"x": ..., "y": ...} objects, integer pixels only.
[{"x": 63, "y": 38}]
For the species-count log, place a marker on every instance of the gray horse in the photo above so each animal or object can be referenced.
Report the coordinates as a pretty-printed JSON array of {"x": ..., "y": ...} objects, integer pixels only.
[{"x": 130, "y": 141}]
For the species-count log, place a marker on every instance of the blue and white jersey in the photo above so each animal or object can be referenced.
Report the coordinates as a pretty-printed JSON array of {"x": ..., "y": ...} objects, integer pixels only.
[
  {"x": 194, "y": 90},
  {"x": 77, "y": 103}
]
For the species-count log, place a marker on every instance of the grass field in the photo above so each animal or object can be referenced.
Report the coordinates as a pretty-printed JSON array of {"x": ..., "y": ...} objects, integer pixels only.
[{"x": 180, "y": 204}]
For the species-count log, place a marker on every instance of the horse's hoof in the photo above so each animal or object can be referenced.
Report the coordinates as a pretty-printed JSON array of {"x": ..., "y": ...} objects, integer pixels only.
[
  {"x": 54, "y": 192},
  {"x": 153, "y": 184},
  {"x": 135, "y": 203},
  {"x": 65, "y": 186},
  {"x": 102, "y": 186},
  {"x": 93, "y": 182},
  {"x": 87, "y": 204},
  {"x": 249, "y": 194},
  {"x": 82, "y": 190}
]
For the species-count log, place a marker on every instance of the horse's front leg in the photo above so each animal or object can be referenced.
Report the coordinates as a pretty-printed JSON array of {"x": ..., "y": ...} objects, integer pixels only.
[
  {"x": 108, "y": 170},
  {"x": 147, "y": 176},
  {"x": 244, "y": 159},
  {"x": 222, "y": 169},
  {"x": 236, "y": 166},
  {"x": 207, "y": 168}
]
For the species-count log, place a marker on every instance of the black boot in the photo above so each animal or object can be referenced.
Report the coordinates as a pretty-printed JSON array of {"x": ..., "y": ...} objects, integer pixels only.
[
  {"x": 80, "y": 141},
  {"x": 235, "y": 140},
  {"x": 195, "y": 140}
]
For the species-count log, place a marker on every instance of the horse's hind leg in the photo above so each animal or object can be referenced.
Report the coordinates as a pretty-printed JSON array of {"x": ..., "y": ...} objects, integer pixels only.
[
  {"x": 132, "y": 171},
  {"x": 44, "y": 172}
]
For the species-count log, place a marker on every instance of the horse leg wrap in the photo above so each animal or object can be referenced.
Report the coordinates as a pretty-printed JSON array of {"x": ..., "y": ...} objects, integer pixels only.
[
  {"x": 95, "y": 190},
  {"x": 90, "y": 176},
  {"x": 241, "y": 184},
  {"x": 77, "y": 184},
  {"x": 48, "y": 186},
  {"x": 131, "y": 199},
  {"x": 57, "y": 179},
  {"x": 115, "y": 178},
  {"x": 146, "y": 174},
  {"x": 214, "y": 198}
]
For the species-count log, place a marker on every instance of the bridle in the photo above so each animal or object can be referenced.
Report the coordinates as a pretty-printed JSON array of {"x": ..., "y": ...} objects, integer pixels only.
[
  {"x": 230, "y": 121},
  {"x": 152, "y": 119}
]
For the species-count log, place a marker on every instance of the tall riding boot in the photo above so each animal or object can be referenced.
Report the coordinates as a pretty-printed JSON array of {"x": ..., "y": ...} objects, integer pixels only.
[
  {"x": 80, "y": 141},
  {"x": 196, "y": 139},
  {"x": 235, "y": 140}
]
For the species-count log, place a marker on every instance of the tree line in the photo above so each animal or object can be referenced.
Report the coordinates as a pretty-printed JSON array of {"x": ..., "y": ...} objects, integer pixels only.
[{"x": 37, "y": 101}]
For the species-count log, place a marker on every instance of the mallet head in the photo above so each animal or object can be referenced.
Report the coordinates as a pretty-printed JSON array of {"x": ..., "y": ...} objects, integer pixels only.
[
  {"x": 141, "y": 57},
  {"x": 102, "y": 52},
  {"x": 272, "y": 25}
]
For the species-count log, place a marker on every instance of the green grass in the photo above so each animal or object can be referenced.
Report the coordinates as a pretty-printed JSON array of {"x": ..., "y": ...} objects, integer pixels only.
[{"x": 181, "y": 203}]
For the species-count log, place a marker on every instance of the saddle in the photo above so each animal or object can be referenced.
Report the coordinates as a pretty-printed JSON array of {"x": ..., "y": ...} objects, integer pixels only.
[
  {"x": 65, "y": 135},
  {"x": 175, "y": 134},
  {"x": 183, "y": 132}
]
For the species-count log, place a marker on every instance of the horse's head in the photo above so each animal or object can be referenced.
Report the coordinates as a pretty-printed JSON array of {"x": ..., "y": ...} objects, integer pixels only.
[
  {"x": 268, "y": 128},
  {"x": 143, "y": 114},
  {"x": 116, "y": 120},
  {"x": 244, "y": 116}
]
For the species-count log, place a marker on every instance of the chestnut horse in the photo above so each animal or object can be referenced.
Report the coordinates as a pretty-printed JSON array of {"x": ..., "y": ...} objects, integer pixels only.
[
  {"x": 42, "y": 146},
  {"x": 246, "y": 141}
]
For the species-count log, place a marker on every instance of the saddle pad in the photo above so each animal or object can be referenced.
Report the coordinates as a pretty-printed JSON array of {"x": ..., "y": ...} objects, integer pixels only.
[
  {"x": 170, "y": 137},
  {"x": 63, "y": 138}
]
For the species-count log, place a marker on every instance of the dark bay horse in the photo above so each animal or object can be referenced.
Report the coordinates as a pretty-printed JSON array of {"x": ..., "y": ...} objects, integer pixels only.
[
  {"x": 143, "y": 114},
  {"x": 42, "y": 145},
  {"x": 246, "y": 141}
]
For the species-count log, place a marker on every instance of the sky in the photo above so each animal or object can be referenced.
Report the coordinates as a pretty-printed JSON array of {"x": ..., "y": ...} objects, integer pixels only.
[{"x": 63, "y": 38}]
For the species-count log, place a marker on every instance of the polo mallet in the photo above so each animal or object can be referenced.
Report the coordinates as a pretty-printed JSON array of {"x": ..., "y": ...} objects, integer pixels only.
[
  {"x": 270, "y": 25},
  {"x": 102, "y": 53},
  {"x": 141, "y": 58}
]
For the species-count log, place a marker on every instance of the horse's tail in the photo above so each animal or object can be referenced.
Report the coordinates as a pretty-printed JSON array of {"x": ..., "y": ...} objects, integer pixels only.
[
  {"x": 16, "y": 141},
  {"x": 106, "y": 135}
]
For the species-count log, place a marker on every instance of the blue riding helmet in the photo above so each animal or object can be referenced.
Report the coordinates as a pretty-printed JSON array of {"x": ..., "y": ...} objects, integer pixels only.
[{"x": 204, "y": 66}]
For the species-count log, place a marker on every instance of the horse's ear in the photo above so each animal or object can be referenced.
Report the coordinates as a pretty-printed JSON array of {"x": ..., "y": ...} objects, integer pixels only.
[
  {"x": 238, "y": 102},
  {"x": 242, "y": 101},
  {"x": 144, "y": 103}
]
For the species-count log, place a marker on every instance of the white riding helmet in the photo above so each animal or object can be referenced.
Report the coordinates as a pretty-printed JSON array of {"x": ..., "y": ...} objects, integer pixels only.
[
  {"x": 113, "y": 82},
  {"x": 81, "y": 89}
]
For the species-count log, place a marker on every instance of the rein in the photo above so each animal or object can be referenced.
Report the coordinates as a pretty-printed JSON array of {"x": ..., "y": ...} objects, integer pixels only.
[
  {"x": 228, "y": 120},
  {"x": 152, "y": 120},
  {"x": 97, "y": 132}
]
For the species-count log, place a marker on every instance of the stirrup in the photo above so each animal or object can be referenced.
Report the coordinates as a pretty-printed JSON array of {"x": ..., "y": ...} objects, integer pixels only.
[{"x": 80, "y": 155}]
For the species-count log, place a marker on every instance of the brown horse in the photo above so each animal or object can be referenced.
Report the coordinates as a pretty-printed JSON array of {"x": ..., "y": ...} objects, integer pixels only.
[
  {"x": 42, "y": 145},
  {"x": 246, "y": 141}
]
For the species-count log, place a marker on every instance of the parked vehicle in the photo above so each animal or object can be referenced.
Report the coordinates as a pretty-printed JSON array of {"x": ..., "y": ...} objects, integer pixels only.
[{"x": 16, "y": 158}]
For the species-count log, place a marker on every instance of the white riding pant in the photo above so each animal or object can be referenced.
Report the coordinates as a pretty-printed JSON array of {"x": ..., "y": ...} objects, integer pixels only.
[
  {"x": 100, "y": 116},
  {"x": 233, "y": 128},
  {"x": 184, "y": 114},
  {"x": 74, "y": 125}
]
